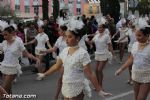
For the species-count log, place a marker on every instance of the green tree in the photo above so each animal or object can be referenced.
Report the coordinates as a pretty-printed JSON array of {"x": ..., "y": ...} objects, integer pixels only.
[
  {"x": 5, "y": 11},
  {"x": 143, "y": 7},
  {"x": 45, "y": 9},
  {"x": 111, "y": 7},
  {"x": 55, "y": 9}
]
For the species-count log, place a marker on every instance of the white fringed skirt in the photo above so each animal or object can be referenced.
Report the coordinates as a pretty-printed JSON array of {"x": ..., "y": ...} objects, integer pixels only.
[
  {"x": 11, "y": 70},
  {"x": 141, "y": 76}
]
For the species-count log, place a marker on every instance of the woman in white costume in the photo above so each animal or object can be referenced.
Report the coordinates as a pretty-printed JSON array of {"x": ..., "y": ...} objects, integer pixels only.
[
  {"x": 41, "y": 40},
  {"x": 103, "y": 46},
  {"x": 131, "y": 34},
  {"x": 10, "y": 66},
  {"x": 123, "y": 40},
  {"x": 76, "y": 62},
  {"x": 140, "y": 57},
  {"x": 60, "y": 44}
]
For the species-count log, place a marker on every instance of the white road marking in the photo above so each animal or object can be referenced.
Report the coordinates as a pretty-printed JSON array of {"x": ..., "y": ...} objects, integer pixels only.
[{"x": 120, "y": 95}]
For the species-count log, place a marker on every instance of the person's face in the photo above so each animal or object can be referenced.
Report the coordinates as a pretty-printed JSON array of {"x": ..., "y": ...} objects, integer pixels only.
[
  {"x": 7, "y": 36},
  {"x": 40, "y": 30},
  {"x": 45, "y": 22},
  {"x": 71, "y": 40},
  {"x": 31, "y": 26},
  {"x": 60, "y": 32},
  {"x": 141, "y": 38},
  {"x": 101, "y": 29}
]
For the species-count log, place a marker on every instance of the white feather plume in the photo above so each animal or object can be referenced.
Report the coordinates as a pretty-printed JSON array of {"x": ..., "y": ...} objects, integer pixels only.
[
  {"x": 73, "y": 23},
  {"x": 101, "y": 21},
  {"x": 40, "y": 23},
  {"x": 79, "y": 24},
  {"x": 3, "y": 25},
  {"x": 60, "y": 21},
  {"x": 142, "y": 23}
]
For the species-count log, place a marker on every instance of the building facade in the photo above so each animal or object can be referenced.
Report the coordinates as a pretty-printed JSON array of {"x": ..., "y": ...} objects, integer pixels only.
[{"x": 29, "y": 8}]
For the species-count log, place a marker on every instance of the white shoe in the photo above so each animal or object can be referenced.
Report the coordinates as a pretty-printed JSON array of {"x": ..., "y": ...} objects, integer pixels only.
[
  {"x": 15, "y": 80},
  {"x": 39, "y": 78}
]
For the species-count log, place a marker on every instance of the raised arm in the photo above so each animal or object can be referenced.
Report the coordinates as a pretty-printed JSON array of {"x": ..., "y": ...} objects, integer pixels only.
[{"x": 31, "y": 42}]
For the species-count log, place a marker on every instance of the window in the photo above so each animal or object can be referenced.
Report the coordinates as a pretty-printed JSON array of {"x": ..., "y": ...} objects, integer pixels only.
[
  {"x": 17, "y": 2},
  {"x": 27, "y": 6},
  {"x": 90, "y": 9},
  {"x": 79, "y": 1},
  {"x": 27, "y": 9},
  {"x": 17, "y": 8},
  {"x": 35, "y": 10},
  {"x": 17, "y": 5},
  {"x": 98, "y": 9},
  {"x": 78, "y": 11},
  {"x": 70, "y": 1}
]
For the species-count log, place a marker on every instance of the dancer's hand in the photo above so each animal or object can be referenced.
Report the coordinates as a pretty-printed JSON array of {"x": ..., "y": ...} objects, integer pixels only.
[
  {"x": 117, "y": 41},
  {"x": 44, "y": 52},
  {"x": 115, "y": 57},
  {"x": 103, "y": 93},
  {"x": 118, "y": 72},
  {"x": 38, "y": 62},
  {"x": 40, "y": 76}
]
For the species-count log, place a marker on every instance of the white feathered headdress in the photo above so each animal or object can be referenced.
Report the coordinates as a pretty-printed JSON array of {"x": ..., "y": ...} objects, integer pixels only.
[
  {"x": 60, "y": 21},
  {"x": 73, "y": 23},
  {"x": 142, "y": 23},
  {"x": 40, "y": 23},
  {"x": 101, "y": 21},
  {"x": 3, "y": 25}
]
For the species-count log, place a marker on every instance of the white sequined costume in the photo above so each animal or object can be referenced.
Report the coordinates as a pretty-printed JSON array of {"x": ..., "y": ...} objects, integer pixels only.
[{"x": 73, "y": 77}]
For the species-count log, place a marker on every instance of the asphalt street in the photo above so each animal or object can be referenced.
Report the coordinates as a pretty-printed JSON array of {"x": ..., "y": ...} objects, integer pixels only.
[{"x": 45, "y": 89}]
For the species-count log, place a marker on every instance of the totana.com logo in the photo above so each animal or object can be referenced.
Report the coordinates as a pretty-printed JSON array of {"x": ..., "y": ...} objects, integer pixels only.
[{"x": 94, "y": 1}]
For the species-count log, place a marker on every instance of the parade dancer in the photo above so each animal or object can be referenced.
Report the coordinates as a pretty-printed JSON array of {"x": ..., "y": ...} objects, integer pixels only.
[
  {"x": 103, "y": 46},
  {"x": 76, "y": 62},
  {"x": 60, "y": 44},
  {"x": 41, "y": 39},
  {"x": 122, "y": 41},
  {"x": 140, "y": 57},
  {"x": 10, "y": 66},
  {"x": 131, "y": 35}
]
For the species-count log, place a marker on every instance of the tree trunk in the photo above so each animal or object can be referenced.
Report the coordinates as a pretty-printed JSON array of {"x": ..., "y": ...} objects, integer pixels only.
[
  {"x": 55, "y": 9},
  {"x": 45, "y": 9}
]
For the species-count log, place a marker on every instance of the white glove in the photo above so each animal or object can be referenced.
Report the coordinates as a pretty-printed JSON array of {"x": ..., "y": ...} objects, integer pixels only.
[
  {"x": 103, "y": 94},
  {"x": 117, "y": 41},
  {"x": 40, "y": 76}
]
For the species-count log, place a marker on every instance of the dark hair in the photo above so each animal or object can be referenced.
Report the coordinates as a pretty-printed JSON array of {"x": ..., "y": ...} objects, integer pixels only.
[
  {"x": 10, "y": 29},
  {"x": 103, "y": 25},
  {"x": 145, "y": 30},
  {"x": 63, "y": 27},
  {"x": 42, "y": 26},
  {"x": 77, "y": 32}
]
